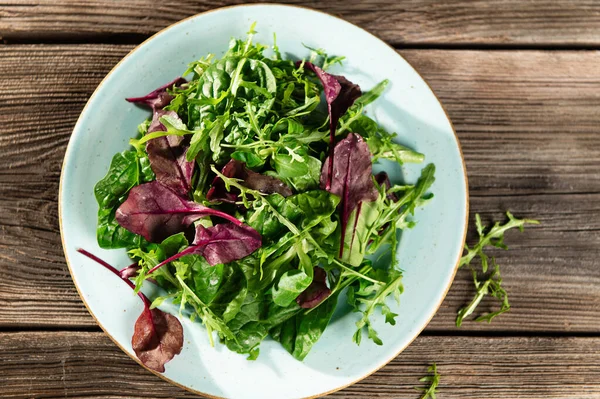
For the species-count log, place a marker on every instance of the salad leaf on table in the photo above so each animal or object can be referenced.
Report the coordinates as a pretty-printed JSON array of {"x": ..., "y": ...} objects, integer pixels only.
[
  {"x": 492, "y": 283},
  {"x": 433, "y": 380}
]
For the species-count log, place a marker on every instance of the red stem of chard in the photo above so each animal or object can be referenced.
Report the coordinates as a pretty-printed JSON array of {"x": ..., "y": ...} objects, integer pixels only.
[
  {"x": 186, "y": 251},
  {"x": 115, "y": 271},
  {"x": 332, "y": 129}
]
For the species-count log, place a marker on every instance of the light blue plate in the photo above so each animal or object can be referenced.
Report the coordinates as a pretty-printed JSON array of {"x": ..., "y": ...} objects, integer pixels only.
[{"x": 428, "y": 253}]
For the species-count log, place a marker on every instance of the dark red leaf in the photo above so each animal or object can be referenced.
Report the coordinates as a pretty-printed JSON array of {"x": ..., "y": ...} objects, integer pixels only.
[
  {"x": 316, "y": 292},
  {"x": 155, "y": 212},
  {"x": 167, "y": 154},
  {"x": 351, "y": 177},
  {"x": 383, "y": 180},
  {"x": 222, "y": 243},
  {"x": 252, "y": 180},
  {"x": 340, "y": 94},
  {"x": 159, "y": 98},
  {"x": 130, "y": 271},
  {"x": 167, "y": 157},
  {"x": 157, "y": 338}
]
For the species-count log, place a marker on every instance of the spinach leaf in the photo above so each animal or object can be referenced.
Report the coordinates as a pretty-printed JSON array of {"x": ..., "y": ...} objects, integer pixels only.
[
  {"x": 311, "y": 325},
  {"x": 127, "y": 169}
]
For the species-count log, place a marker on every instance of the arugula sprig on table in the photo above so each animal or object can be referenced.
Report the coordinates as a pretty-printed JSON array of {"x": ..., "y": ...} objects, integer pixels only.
[
  {"x": 433, "y": 380},
  {"x": 491, "y": 283}
]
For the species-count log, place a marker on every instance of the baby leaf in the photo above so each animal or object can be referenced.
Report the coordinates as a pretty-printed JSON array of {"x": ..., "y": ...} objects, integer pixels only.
[
  {"x": 340, "y": 94},
  {"x": 352, "y": 178},
  {"x": 433, "y": 380},
  {"x": 155, "y": 212},
  {"x": 157, "y": 336},
  {"x": 222, "y": 243},
  {"x": 159, "y": 98},
  {"x": 167, "y": 156},
  {"x": 492, "y": 285}
]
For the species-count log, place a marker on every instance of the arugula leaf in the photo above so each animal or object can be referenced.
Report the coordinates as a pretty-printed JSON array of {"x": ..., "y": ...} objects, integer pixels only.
[
  {"x": 492, "y": 284},
  {"x": 433, "y": 380},
  {"x": 255, "y": 181},
  {"x": 373, "y": 297},
  {"x": 394, "y": 211},
  {"x": 494, "y": 237}
]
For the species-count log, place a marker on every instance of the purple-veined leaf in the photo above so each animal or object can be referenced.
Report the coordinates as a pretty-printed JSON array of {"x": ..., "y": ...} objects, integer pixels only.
[
  {"x": 351, "y": 178},
  {"x": 155, "y": 212},
  {"x": 340, "y": 94},
  {"x": 167, "y": 157},
  {"x": 316, "y": 292},
  {"x": 159, "y": 98},
  {"x": 218, "y": 244},
  {"x": 157, "y": 336},
  {"x": 167, "y": 153}
]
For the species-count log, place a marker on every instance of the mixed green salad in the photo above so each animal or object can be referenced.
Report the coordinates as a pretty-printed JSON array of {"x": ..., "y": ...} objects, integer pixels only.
[{"x": 249, "y": 198}]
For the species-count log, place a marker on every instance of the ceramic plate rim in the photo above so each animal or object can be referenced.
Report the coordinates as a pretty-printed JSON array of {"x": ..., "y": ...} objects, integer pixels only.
[{"x": 162, "y": 31}]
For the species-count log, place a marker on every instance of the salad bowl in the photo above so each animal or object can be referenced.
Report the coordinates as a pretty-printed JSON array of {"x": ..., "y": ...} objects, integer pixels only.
[{"x": 428, "y": 253}]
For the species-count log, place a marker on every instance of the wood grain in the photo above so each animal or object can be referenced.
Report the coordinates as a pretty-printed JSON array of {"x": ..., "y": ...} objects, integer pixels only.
[
  {"x": 88, "y": 364},
  {"x": 527, "y": 121},
  {"x": 412, "y": 22}
]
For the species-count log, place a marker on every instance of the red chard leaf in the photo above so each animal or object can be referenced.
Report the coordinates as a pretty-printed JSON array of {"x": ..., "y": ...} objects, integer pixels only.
[
  {"x": 252, "y": 180},
  {"x": 167, "y": 154},
  {"x": 340, "y": 94},
  {"x": 129, "y": 271},
  {"x": 316, "y": 292},
  {"x": 218, "y": 244},
  {"x": 159, "y": 98},
  {"x": 155, "y": 212},
  {"x": 157, "y": 336},
  {"x": 351, "y": 177},
  {"x": 167, "y": 157},
  {"x": 383, "y": 179}
]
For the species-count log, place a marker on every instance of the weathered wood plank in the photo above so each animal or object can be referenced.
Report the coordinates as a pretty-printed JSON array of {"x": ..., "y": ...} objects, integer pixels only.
[
  {"x": 80, "y": 364},
  {"x": 527, "y": 123},
  {"x": 424, "y": 22}
]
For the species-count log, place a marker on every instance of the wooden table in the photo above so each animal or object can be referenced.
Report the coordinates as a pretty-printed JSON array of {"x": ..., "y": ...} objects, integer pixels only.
[{"x": 521, "y": 82}]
